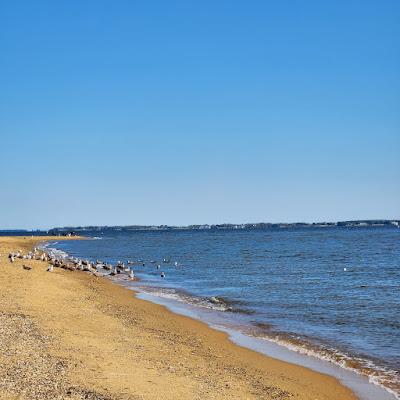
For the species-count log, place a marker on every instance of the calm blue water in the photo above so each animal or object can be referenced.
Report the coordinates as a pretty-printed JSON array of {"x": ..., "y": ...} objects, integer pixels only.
[{"x": 334, "y": 291}]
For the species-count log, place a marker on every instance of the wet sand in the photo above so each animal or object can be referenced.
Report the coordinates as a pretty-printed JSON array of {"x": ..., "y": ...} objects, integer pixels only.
[{"x": 71, "y": 335}]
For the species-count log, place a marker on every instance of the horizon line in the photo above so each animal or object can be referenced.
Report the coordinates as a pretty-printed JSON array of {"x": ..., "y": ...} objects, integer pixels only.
[{"x": 374, "y": 220}]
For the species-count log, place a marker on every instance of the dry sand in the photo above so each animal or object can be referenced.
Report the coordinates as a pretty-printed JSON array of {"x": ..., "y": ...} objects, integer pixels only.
[{"x": 71, "y": 335}]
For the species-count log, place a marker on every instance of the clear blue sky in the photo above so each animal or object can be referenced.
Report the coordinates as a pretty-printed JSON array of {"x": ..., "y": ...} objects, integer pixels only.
[{"x": 156, "y": 112}]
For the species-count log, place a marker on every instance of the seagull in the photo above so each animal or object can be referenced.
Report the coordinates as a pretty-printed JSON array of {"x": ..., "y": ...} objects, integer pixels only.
[
  {"x": 162, "y": 275},
  {"x": 50, "y": 269},
  {"x": 131, "y": 275}
]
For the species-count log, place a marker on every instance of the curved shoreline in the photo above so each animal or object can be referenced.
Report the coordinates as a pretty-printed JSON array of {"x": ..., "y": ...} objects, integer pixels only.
[
  {"x": 366, "y": 386},
  {"x": 359, "y": 384},
  {"x": 172, "y": 355},
  {"x": 368, "y": 380},
  {"x": 286, "y": 348}
]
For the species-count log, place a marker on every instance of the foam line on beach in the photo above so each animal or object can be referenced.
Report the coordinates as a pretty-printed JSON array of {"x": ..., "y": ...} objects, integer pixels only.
[{"x": 364, "y": 388}]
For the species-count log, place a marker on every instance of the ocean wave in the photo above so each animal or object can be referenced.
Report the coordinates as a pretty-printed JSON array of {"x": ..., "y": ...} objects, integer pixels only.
[
  {"x": 53, "y": 251},
  {"x": 384, "y": 377},
  {"x": 56, "y": 253},
  {"x": 215, "y": 303}
]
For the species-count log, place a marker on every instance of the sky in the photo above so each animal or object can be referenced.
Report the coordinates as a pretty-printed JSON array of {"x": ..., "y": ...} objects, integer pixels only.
[{"x": 187, "y": 112}]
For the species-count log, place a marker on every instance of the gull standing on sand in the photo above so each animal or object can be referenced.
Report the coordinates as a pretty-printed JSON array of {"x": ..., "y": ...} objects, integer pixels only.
[{"x": 50, "y": 269}]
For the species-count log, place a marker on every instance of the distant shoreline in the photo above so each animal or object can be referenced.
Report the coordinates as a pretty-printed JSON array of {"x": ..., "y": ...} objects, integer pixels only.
[{"x": 393, "y": 223}]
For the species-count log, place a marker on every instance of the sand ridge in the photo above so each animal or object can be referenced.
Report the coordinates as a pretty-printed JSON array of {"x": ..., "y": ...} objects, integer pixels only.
[{"x": 72, "y": 335}]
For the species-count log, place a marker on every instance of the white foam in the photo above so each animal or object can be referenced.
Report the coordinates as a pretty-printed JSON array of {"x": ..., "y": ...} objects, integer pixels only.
[
  {"x": 380, "y": 375},
  {"x": 172, "y": 294},
  {"x": 366, "y": 388},
  {"x": 52, "y": 251}
]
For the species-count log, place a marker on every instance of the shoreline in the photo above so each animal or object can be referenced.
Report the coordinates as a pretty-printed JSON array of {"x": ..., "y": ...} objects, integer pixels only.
[
  {"x": 358, "y": 383},
  {"x": 191, "y": 359},
  {"x": 364, "y": 380},
  {"x": 364, "y": 386},
  {"x": 368, "y": 379}
]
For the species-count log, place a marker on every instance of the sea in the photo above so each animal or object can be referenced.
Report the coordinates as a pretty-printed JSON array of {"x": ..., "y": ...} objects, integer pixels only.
[{"x": 324, "y": 297}]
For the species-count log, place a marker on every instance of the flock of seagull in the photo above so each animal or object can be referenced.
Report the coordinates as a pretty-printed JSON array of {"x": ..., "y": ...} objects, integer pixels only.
[{"x": 74, "y": 264}]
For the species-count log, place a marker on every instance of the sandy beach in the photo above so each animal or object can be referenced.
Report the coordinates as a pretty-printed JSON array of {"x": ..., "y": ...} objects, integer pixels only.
[{"x": 72, "y": 335}]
